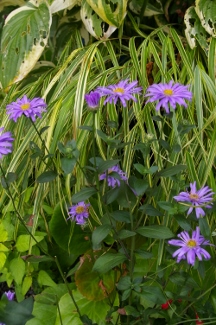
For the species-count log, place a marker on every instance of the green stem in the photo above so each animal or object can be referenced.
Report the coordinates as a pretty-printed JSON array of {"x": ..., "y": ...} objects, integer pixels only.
[
  {"x": 60, "y": 318},
  {"x": 43, "y": 143},
  {"x": 67, "y": 285},
  {"x": 95, "y": 166},
  {"x": 18, "y": 214}
]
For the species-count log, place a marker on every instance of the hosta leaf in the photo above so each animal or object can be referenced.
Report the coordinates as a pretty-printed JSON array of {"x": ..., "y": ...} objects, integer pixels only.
[
  {"x": 6, "y": 3},
  {"x": 58, "y": 5},
  {"x": 111, "y": 11},
  {"x": 206, "y": 10},
  {"x": 194, "y": 30},
  {"x": 24, "y": 38},
  {"x": 93, "y": 23}
]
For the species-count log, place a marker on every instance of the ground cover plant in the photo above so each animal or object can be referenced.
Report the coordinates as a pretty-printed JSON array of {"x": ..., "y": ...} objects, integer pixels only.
[{"x": 107, "y": 162}]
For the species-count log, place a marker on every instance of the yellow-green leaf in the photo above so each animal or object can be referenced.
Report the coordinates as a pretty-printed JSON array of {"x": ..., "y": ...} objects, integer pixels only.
[
  {"x": 17, "y": 268},
  {"x": 27, "y": 282},
  {"x": 2, "y": 260},
  {"x": 3, "y": 233},
  {"x": 3, "y": 248},
  {"x": 45, "y": 280},
  {"x": 23, "y": 241}
]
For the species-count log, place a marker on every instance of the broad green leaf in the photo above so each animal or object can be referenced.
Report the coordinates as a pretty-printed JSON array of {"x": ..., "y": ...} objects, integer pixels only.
[
  {"x": 122, "y": 216},
  {"x": 24, "y": 38},
  {"x": 92, "y": 285},
  {"x": 99, "y": 234},
  {"x": 17, "y": 313},
  {"x": 45, "y": 280},
  {"x": 95, "y": 310},
  {"x": 84, "y": 194},
  {"x": 73, "y": 233},
  {"x": 155, "y": 231},
  {"x": 139, "y": 185},
  {"x": 183, "y": 223},
  {"x": 44, "y": 313},
  {"x": 47, "y": 176},
  {"x": 206, "y": 10},
  {"x": 17, "y": 269},
  {"x": 108, "y": 261},
  {"x": 112, "y": 12},
  {"x": 170, "y": 171},
  {"x": 124, "y": 283},
  {"x": 67, "y": 164},
  {"x": 153, "y": 293},
  {"x": 124, "y": 233}
]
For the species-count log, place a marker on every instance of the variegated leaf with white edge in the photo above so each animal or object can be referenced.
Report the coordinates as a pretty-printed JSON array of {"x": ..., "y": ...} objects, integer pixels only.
[
  {"x": 206, "y": 10},
  {"x": 94, "y": 24},
  {"x": 112, "y": 12},
  {"x": 6, "y": 3},
  {"x": 24, "y": 38},
  {"x": 194, "y": 31},
  {"x": 59, "y": 5}
]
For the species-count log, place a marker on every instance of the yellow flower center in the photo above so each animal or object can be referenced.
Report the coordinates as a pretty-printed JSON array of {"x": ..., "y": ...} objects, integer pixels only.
[
  {"x": 191, "y": 243},
  {"x": 168, "y": 92},
  {"x": 194, "y": 196},
  {"x": 119, "y": 90},
  {"x": 24, "y": 107},
  {"x": 80, "y": 209}
]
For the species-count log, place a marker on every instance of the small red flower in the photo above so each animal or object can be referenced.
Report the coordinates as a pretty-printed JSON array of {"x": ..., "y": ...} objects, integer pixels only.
[
  {"x": 198, "y": 320},
  {"x": 167, "y": 304}
]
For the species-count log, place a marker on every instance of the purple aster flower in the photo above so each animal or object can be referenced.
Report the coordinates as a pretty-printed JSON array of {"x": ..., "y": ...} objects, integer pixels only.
[
  {"x": 123, "y": 91},
  {"x": 93, "y": 99},
  {"x": 111, "y": 180},
  {"x": 202, "y": 197},
  {"x": 190, "y": 247},
  {"x": 10, "y": 295},
  {"x": 79, "y": 212},
  {"x": 170, "y": 93},
  {"x": 24, "y": 106},
  {"x": 5, "y": 143}
]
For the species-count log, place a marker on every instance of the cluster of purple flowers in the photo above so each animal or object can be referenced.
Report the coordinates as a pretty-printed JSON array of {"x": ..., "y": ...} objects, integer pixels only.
[
  {"x": 191, "y": 247},
  {"x": 169, "y": 94},
  {"x": 23, "y": 106}
]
